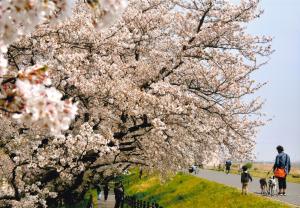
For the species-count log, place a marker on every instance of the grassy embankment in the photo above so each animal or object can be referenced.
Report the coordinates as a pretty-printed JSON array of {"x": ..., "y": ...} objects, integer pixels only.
[
  {"x": 188, "y": 191},
  {"x": 261, "y": 170}
]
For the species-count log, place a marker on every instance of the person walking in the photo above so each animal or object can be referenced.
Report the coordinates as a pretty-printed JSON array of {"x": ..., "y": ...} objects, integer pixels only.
[
  {"x": 281, "y": 168},
  {"x": 245, "y": 178},
  {"x": 122, "y": 194},
  {"x": 228, "y": 164},
  {"x": 105, "y": 191},
  {"x": 98, "y": 188},
  {"x": 119, "y": 195},
  {"x": 140, "y": 172}
]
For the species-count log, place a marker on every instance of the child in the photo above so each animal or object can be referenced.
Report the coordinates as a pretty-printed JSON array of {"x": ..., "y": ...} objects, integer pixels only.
[{"x": 245, "y": 177}]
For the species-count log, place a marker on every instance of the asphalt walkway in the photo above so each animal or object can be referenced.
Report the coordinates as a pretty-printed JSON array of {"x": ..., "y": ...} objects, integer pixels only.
[{"x": 293, "y": 189}]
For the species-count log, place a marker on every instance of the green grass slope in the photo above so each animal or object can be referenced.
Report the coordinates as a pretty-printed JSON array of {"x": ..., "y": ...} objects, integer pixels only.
[{"x": 187, "y": 191}]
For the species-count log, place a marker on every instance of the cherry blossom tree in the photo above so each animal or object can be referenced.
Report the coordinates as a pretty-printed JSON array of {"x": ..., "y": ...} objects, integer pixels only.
[
  {"x": 27, "y": 96},
  {"x": 19, "y": 18},
  {"x": 169, "y": 85}
]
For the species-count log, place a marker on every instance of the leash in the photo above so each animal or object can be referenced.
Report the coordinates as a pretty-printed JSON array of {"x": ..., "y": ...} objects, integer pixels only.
[{"x": 269, "y": 171}]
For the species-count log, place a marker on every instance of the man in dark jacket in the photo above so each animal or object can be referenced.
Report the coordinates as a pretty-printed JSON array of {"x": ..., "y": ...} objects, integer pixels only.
[
  {"x": 119, "y": 195},
  {"x": 106, "y": 191},
  {"x": 140, "y": 172},
  {"x": 282, "y": 161},
  {"x": 228, "y": 164}
]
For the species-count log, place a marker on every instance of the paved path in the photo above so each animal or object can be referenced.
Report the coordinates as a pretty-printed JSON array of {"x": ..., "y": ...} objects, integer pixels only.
[
  {"x": 110, "y": 203},
  {"x": 293, "y": 189}
]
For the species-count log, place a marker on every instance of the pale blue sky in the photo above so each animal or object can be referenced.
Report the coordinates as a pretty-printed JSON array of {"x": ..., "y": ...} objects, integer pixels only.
[{"x": 280, "y": 20}]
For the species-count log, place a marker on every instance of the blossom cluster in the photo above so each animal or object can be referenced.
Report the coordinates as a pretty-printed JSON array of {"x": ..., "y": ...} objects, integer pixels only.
[
  {"x": 35, "y": 102},
  {"x": 43, "y": 106},
  {"x": 106, "y": 12}
]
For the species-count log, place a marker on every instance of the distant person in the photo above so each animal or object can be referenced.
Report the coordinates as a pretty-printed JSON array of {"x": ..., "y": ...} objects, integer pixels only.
[
  {"x": 122, "y": 194},
  {"x": 98, "y": 188},
  {"x": 228, "y": 164},
  {"x": 119, "y": 195},
  {"x": 105, "y": 191},
  {"x": 245, "y": 178},
  {"x": 281, "y": 169},
  {"x": 140, "y": 172}
]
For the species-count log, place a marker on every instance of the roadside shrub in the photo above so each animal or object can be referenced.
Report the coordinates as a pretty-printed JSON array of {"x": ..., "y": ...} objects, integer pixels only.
[
  {"x": 296, "y": 175},
  {"x": 220, "y": 167},
  {"x": 235, "y": 166},
  {"x": 249, "y": 165}
]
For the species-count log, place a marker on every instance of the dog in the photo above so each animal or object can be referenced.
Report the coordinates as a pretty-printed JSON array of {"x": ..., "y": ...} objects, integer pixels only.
[
  {"x": 263, "y": 186},
  {"x": 272, "y": 186}
]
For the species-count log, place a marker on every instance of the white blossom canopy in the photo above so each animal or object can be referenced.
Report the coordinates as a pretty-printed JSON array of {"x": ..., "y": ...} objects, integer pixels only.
[{"x": 169, "y": 85}]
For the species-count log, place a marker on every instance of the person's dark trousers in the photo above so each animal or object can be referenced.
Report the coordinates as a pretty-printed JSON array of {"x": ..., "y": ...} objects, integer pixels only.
[
  {"x": 282, "y": 183},
  {"x": 105, "y": 195},
  {"x": 227, "y": 169}
]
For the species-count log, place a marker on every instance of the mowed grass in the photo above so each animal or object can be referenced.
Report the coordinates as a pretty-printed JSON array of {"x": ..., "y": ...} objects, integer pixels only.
[
  {"x": 293, "y": 178},
  {"x": 261, "y": 170},
  {"x": 187, "y": 191}
]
